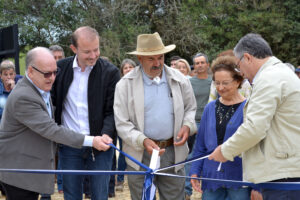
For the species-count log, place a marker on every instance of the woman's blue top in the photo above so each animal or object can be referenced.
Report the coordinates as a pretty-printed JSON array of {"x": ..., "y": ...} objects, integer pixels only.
[{"x": 205, "y": 144}]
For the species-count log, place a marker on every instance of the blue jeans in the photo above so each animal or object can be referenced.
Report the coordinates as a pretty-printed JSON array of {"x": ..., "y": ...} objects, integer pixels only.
[
  {"x": 121, "y": 163},
  {"x": 81, "y": 159},
  {"x": 227, "y": 194},
  {"x": 59, "y": 177}
]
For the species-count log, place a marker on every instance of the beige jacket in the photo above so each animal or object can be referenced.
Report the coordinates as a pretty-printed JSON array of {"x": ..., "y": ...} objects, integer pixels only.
[
  {"x": 129, "y": 111},
  {"x": 269, "y": 138}
]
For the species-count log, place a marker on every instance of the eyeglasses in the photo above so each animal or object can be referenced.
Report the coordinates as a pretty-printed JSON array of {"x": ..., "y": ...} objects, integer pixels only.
[
  {"x": 224, "y": 83},
  {"x": 238, "y": 64},
  {"x": 46, "y": 74}
]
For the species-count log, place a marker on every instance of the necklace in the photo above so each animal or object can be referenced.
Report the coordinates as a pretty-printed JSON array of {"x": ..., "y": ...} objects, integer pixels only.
[{"x": 221, "y": 111}]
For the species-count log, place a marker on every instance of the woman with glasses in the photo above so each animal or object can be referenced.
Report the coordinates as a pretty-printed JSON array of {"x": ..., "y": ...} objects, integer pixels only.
[
  {"x": 220, "y": 119},
  {"x": 245, "y": 88}
]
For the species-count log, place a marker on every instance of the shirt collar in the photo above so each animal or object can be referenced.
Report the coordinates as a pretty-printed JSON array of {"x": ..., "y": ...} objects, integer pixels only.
[
  {"x": 149, "y": 81},
  {"x": 45, "y": 95},
  {"x": 75, "y": 64}
]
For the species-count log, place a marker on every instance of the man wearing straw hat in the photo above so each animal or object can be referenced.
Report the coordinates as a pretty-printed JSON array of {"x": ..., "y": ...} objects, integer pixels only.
[{"x": 155, "y": 109}]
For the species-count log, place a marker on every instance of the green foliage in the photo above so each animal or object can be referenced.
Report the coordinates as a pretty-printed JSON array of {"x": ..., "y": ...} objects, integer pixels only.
[{"x": 194, "y": 26}]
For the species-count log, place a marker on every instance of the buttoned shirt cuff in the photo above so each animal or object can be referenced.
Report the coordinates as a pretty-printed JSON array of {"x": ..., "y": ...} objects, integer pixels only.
[
  {"x": 88, "y": 141},
  {"x": 192, "y": 126},
  {"x": 140, "y": 140},
  {"x": 225, "y": 152}
]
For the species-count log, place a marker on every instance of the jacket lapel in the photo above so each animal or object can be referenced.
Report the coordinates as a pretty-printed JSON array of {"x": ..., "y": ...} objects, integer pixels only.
[{"x": 138, "y": 95}]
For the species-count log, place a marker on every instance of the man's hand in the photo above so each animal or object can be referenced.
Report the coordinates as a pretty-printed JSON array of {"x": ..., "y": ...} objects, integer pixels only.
[
  {"x": 255, "y": 195},
  {"x": 182, "y": 136},
  {"x": 101, "y": 143},
  {"x": 217, "y": 155},
  {"x": 10, "y": 83},
  {"x": 150, "y": 145},
  {"x": 196, "y": 183}
]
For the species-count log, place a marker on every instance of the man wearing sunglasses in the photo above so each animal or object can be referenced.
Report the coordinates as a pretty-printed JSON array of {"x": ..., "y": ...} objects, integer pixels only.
[
  {"x": 83, "y": 94},
  {"x": 28, "y": 132}
]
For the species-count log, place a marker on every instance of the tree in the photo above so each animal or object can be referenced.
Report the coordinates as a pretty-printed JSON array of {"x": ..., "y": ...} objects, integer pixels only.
[{"x": 194, "y": 26}]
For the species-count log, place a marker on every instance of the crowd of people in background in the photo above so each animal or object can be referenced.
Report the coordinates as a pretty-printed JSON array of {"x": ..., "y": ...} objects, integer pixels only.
[{"x": 181, "y": 110}]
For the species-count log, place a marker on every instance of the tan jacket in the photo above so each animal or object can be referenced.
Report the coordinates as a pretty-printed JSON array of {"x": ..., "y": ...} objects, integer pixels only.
[
  {"x": 269, "y": 138},
  {"x": 129, "y": 111}
]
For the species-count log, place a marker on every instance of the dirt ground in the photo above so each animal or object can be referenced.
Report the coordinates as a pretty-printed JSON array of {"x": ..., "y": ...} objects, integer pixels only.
[{"x": 125, "y": 195}]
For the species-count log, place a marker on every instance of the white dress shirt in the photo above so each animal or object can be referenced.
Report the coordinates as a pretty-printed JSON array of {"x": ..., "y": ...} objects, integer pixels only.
[{"x": 75, "y": 109}]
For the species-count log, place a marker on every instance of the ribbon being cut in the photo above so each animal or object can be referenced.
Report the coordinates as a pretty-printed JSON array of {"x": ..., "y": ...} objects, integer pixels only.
[{"x": 154, "y": 170}]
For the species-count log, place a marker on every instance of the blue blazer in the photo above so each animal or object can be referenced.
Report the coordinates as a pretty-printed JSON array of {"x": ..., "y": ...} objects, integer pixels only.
[{"x": 206, "y": 142}]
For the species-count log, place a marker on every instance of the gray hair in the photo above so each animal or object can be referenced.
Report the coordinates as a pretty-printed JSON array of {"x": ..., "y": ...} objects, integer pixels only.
[
  {"x": 126, "y": 61},
  {"x": 7, "y": 64},
  {"x": 57, "y": 48},
  {"x": 199, "y": 55},
  {"x": 253, "y": 44},
  {"x": 32, "y": 54}
]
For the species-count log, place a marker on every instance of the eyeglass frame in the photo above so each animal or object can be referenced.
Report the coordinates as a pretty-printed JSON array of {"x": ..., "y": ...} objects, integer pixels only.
[
  {"x": 47, "y": 74},
  {"x": 238, "y": 64}
]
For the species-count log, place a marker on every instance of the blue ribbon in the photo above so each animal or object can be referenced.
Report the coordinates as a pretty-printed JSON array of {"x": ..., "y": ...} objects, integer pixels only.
[
  {"x": 267, "y": 185},
  {"x": 74, "y": 172},
  {"x": 147, "y": 186},
  {"x": 132, "y": 158},
  {"x": 149, "y": 175}
]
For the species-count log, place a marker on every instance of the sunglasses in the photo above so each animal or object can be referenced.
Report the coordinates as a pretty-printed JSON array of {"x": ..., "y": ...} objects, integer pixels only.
[{"x": 47, "y": 74}]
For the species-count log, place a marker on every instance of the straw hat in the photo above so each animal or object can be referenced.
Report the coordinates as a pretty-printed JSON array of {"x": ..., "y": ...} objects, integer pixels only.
[{"x": 151, "y": 44}]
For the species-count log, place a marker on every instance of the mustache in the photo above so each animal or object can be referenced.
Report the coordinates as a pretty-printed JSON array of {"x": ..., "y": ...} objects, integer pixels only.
[{"x": 156, "y": 67}]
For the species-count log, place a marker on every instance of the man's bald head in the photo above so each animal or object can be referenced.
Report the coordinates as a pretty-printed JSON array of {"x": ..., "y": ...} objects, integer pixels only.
[
  {"x": 37, "y": 53},
  {"x": 84, "y": 31},
  {"x": 41, "y": 68}
]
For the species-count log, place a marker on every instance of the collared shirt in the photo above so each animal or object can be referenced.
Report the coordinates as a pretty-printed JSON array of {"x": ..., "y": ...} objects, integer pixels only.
[
  {"x": 158, "y": 107},
  {"x": 45, "y": 95},
  {"x": 75, "y": 113},
  {"x": 88, "y": 140}
]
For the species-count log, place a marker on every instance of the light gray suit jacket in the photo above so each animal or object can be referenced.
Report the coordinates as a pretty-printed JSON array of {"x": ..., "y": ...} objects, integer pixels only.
[{"x": 27, "y": 139}]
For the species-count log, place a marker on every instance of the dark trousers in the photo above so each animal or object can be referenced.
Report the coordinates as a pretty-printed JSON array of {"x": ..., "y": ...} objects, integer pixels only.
[
  {"x": 14, "y": 193},
  {"x": 45, "y": 197},
  {"x": 282, "y": 194}
]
